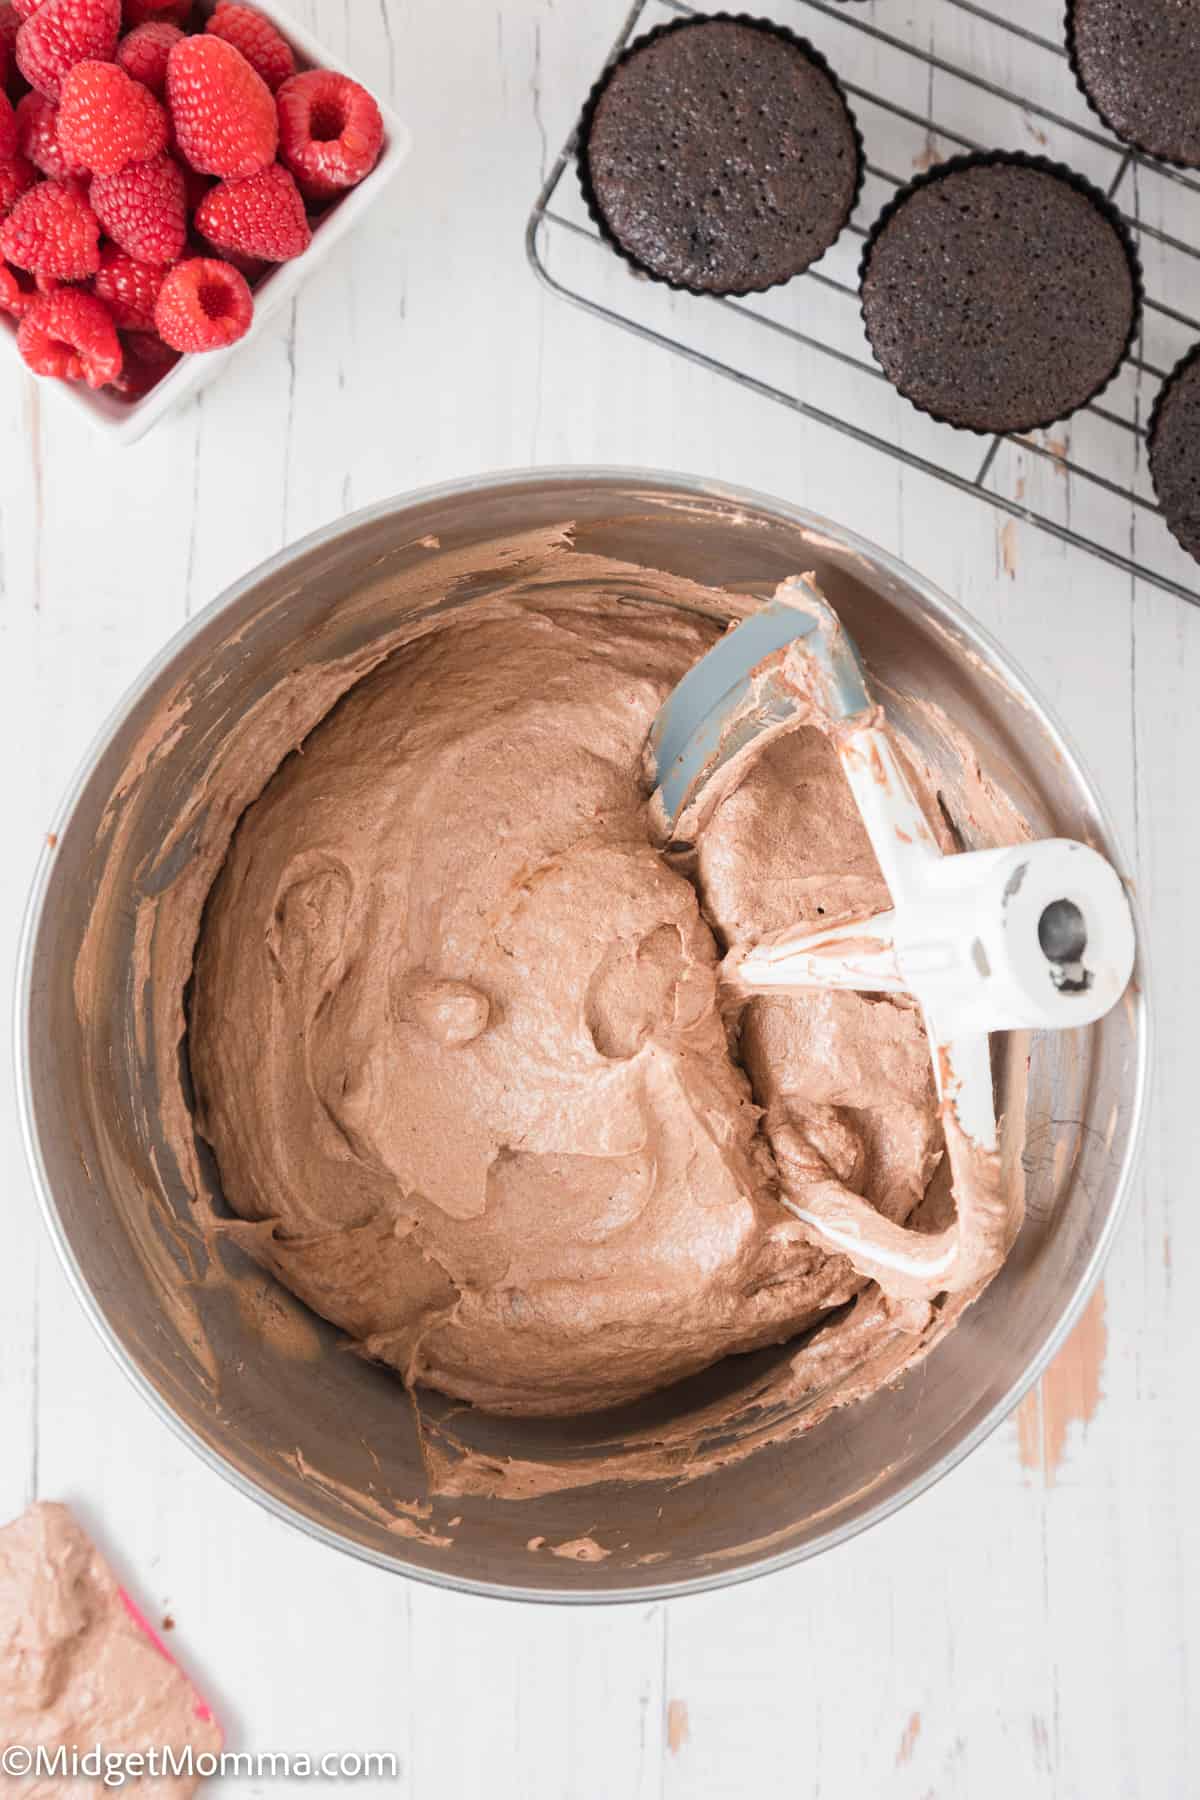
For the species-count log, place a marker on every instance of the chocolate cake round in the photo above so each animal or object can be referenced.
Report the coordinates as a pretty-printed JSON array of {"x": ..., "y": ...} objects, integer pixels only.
[
  {"x": 719, "y": 155},
  {"x": 1175, "y": 452},
  {"x": 1138, "y": 63},
  {"x": 1000, "y": 293}
]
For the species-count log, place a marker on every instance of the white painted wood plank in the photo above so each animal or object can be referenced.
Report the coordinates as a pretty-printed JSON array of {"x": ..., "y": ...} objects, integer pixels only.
[{"x": 21, "y": 1243}]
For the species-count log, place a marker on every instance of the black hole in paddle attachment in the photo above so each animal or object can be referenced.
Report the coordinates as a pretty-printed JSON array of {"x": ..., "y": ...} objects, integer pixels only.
[{"x": 1062, "y": 932}]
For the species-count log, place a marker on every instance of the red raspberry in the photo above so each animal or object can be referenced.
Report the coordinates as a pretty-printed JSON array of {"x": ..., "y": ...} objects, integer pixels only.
[
  {"x": 144, "y": 210},
  {"x": 129, "y": 289},
  {"x": 14, "y": 298},
  {"x": 106, "y": 120},
  {"x": 52, "y": 231},
  {"x": 8, "y": 128},
  {"x": 25, "y": 9},
  {"x": 143, "y": 54},
  {"x": 330, "y": 132},
  {"x": 249, "y": 266},
  {"x": 142, "y": 12},
  {"x": 195, "y": 187},
  {"x": 19, "y": 289},
  {"x": 10, "y": 24},
  {"x": 223, "y": 113},
  {"x": 265, "y": 49},
  {"x": 203, "y": 305},
  {"x": 147, "y": 360},
  {"x": 62, "y": 33},
  {"x": 71, "y": 334},
  {"x": 37, "y": 138},
  {"x": 17, "y": 176},
  {"x": 261, "y": 216}
]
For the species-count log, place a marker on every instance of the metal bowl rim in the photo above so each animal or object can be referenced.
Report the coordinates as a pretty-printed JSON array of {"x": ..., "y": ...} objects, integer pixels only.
[{"x": 632, "y": 481}]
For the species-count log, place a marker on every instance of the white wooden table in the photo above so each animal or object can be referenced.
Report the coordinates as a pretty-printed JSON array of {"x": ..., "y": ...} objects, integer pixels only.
[{"x": 1032, "y": 1626}]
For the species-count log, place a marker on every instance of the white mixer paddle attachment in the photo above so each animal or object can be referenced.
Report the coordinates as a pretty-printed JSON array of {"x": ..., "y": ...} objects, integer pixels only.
[{"x": 1039, "y": 936}]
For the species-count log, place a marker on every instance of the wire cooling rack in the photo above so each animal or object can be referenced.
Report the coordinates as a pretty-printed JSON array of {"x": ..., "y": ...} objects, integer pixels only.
[{"x": 927, "y": 80}]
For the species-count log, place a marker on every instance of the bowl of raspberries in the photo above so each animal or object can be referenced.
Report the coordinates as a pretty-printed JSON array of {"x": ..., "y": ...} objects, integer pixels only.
[{"x": 170, "y": 171}]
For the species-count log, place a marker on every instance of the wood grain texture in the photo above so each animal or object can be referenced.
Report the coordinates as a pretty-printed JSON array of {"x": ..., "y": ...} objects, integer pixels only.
[
  {"x": 1067, "y": 1396},
  {"x": 1025, "y": 1630}
]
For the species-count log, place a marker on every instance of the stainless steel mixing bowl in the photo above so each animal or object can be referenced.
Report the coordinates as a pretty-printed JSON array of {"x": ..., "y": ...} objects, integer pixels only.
[{"x": 351, "y": 1422}]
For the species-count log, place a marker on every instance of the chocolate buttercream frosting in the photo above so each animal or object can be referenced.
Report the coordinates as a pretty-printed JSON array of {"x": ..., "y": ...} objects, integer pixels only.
[
  {"x": 477, "y": 1088},
  {"x": 79, "y": 1668}
]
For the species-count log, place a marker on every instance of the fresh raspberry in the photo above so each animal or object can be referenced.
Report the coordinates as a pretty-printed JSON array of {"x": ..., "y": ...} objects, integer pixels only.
[
  {"x": 252, "y": 267},
  {"x": 14, "y": 298},
  {"x": 129, "y": 289},
  {"x": 142, "y": 12},
  {"x": 195, "y": 187},
  {"x": 25, "y": 9},
  {"x": 147, "y": 360},
  {"x": 52, "y": 231},
  {"x": 203, "y": 305},
  {"x": 17, "y": 176},
  {"x": 19, "y": 289},
  {"x": 106, "y": 120},
  {"x": 37, "y": 138},
  {"x": 8, "y": 128},
  {"x": 71, "y": 334},
  {"x": 10, "y": 24},
  {"x": 143, "y": 54},
  {"x": 62, "y": 33},
  {"x": 144, "y": 210},
  {"x": 330, "y": 132},
  {"x": 265, "y": 49},
  {"x": 223, "y": 113},
  {"x": 261, "y": 216}
]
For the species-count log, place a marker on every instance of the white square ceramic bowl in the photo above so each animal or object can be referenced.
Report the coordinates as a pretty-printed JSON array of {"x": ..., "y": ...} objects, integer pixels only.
[{"x": 123, "y": 422}]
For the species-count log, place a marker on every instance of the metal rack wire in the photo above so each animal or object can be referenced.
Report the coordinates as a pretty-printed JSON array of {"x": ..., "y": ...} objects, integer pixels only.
[{"x": 990, "y": 82}]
